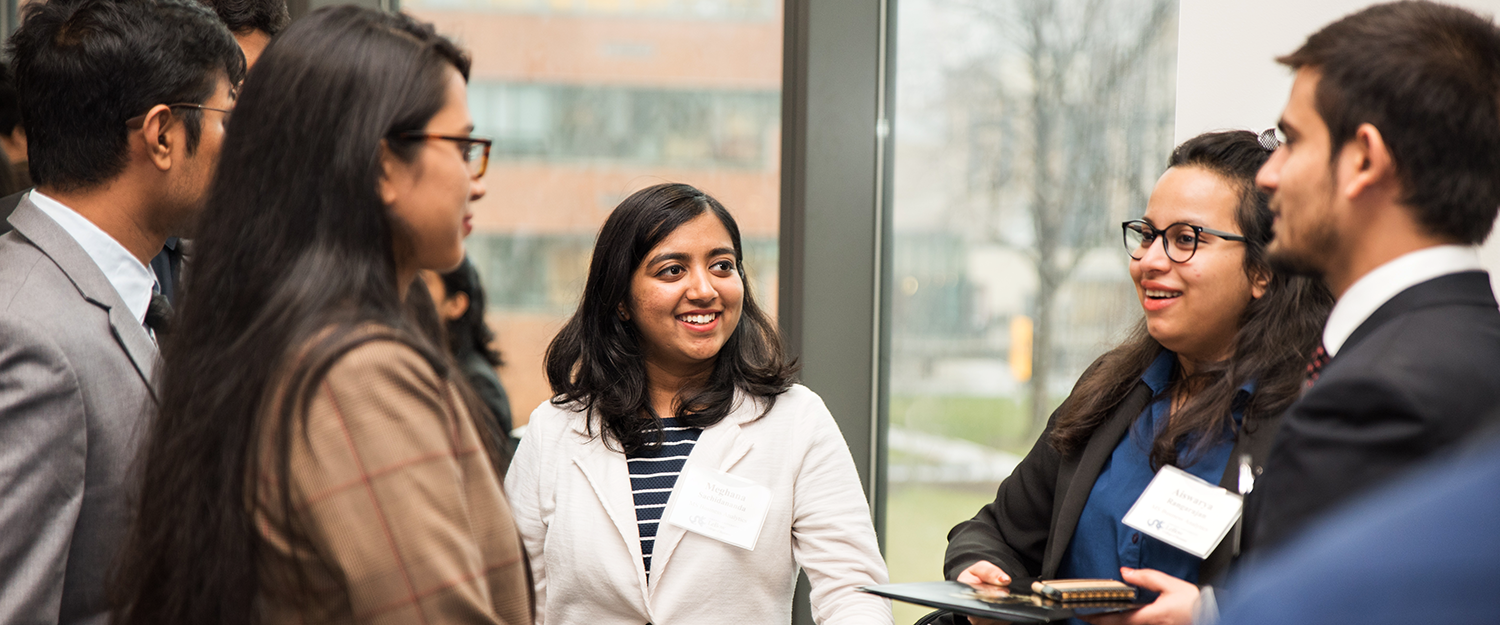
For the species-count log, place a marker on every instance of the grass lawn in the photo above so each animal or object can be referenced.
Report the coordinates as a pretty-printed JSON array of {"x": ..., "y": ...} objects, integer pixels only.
[
  {"x": 999, "y": 422},
  {"x": 918, "y": 518}
]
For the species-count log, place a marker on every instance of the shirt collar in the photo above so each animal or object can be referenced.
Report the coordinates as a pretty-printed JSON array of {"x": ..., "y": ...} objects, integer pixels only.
[
  {"x": 131, "y": 279},
  {"x": 1376, "y": 288}
]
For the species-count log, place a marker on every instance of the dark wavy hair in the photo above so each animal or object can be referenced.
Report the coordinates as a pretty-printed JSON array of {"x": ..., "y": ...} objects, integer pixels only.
[
  {"x": 1277, "y": 332},
  {"x": 596, "y": 364},
  {"x": 296, "y": 261}
]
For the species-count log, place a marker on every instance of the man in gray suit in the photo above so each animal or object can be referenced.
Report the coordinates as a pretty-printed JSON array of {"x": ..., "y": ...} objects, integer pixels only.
[{"x": 126, "y": 102}]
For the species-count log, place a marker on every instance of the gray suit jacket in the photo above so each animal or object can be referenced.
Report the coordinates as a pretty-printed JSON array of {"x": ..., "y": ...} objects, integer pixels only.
[{"x": 75, "y": 394}]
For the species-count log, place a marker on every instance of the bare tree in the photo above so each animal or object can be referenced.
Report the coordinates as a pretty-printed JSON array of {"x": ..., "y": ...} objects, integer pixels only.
[{"x": 1068, "y": 118}]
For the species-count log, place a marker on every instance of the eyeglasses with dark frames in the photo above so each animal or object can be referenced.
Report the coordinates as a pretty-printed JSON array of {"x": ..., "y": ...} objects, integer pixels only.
[
  {"x": 138, "y": 121},
  {"x": 1179, "y": 240},
  {"x": 475, "y": 150}
]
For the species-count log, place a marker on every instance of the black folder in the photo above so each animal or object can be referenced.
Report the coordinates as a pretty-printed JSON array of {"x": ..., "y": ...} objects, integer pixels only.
[{"x": 1017, "y": 606}]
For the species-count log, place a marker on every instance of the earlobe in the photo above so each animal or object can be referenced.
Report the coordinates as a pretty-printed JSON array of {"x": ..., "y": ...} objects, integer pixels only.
[
  {"x": 1259, "y": 281},
  {"x": 624, "y": 314}
]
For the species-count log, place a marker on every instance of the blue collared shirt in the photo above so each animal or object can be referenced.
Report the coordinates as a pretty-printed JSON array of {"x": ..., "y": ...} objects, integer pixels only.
[{"x": 1102, "y": 543}]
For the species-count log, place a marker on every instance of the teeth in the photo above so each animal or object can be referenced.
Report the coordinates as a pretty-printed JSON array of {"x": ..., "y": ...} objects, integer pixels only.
[
  {"x": 698, "y": 319},
  {"x": 1162, "y": 294}
]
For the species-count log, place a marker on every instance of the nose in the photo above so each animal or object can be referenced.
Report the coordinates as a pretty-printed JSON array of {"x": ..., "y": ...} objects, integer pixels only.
[
  {"x": 1269, "y": 175},
  {"x": 1154, "y": 257},
  {"x": 700, "y": 287},
  {"x": 476, "y": 188}
]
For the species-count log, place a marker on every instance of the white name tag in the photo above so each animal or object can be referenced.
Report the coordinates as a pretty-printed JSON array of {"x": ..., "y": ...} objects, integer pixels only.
[
  {"x": 1184, "y": 511},
  {"x": 721, "y": 506}
]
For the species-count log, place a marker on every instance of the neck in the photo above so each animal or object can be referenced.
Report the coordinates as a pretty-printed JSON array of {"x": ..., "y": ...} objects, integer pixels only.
[
  {"x": 1381, "y": 235},
  {"x": 666, "y": 384},
  {"x": 404, "y": 277},
  {"x": 117, "y": 209}
]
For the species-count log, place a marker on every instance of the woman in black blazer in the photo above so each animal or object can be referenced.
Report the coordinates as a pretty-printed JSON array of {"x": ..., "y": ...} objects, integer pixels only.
[{"x": 1220, "y": 354}]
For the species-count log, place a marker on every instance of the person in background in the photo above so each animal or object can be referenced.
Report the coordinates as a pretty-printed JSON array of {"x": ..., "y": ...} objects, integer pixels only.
[
  {"x": 672, "y": 389},
  {"x": 1203, "y": 381},
  {"x": 313, "y": 459},
  {"x": 116, "y": 173},
  {"x": 459, "y": 298},
  {"x": 253, "y": 22}
]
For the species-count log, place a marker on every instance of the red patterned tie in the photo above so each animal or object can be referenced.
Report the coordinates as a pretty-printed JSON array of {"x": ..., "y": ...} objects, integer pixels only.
[{"x": 1315, "y": 366}]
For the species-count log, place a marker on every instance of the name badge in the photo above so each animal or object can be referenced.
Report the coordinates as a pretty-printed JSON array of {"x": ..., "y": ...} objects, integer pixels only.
[
  {"x": 1184, "y": 511},
  {"x": 721, "y": 506}
]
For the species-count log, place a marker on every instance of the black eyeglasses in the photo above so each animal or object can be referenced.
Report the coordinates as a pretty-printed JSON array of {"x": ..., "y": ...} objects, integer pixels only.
[
  {"x": 140, "y": 120},
  {"x": 1180, "y": 243},
  {"x": 475, "y": 150}
]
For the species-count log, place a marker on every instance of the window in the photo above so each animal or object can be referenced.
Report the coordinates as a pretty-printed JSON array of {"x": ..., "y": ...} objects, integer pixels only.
[{"x": 1025, "y": 131}]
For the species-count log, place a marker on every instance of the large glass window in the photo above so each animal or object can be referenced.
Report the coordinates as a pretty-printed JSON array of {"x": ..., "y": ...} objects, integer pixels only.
[
  {"x": 589, "y": 101},
  {"x": 1026, "y": 131}
]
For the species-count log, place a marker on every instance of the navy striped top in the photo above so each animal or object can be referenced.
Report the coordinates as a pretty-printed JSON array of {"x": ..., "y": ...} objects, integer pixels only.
[{"x": 653, "y": 473}]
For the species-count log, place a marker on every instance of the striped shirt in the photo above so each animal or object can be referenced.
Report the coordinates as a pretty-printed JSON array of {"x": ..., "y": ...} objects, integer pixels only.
[{"x": 653, "y": 472}]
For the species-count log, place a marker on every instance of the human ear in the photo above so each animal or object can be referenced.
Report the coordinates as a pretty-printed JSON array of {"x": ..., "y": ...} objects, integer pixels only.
[
  {"x": 1260, "y": 279},
  {"x": 1366, "y": 161},
  {"x": 387, "y": 187},
  {"x": 456, "y": 305},
  {"x": 624, "y": 314},
  {"x": 157, "y": 137}
]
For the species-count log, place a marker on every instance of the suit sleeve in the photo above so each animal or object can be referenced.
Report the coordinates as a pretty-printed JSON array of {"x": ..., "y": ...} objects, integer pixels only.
[
  {"x": 524, "y": 483},
  {"x": 42, "y": 460},
  {"x": 833, "y": 538},
  {"x": 1012, "y": 531},
  {"x": 385, "y": 491}
]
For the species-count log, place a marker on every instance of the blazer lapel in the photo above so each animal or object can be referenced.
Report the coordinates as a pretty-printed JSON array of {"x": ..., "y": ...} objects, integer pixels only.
[
  {"x": 1465, "y": 288},
  {"x": 718, "y": 449},
  {"x": 609, "y": 476},
  {"x": 92, "y": 285},
  {"x": 1077, "y": 477}
]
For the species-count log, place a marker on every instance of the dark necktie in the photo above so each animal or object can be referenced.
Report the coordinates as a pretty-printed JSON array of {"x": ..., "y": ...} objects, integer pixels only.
[
  {"x": 1315, "y": 366},
  {"x": 159, "y": 315}
]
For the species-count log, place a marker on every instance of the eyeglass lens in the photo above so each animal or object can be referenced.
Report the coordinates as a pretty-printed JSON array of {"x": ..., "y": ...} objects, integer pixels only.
[{"x": 1180, "y": 243}]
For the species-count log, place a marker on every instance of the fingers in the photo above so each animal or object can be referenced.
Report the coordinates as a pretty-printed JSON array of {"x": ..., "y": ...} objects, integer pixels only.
[
  {"x": 1153, "y": 580},
  {"x": 984, "y": 573}
]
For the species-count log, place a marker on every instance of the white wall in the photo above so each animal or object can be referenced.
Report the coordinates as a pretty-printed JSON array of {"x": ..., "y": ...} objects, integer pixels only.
[{"x": 1227, "y": 76}]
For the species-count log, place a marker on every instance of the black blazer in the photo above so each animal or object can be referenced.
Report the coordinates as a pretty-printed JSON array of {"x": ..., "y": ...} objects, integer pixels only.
[
  {"x": 1026, "y": 530},
  {"x": 1421, "y": 374}
]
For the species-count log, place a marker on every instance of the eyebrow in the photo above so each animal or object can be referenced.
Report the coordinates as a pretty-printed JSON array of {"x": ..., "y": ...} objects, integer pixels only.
[{"x": 666, "y": 256}]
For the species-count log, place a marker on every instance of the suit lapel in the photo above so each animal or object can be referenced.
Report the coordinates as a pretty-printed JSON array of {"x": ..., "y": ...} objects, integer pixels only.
[
  {"x": 1076, "y": 478},
  {"x": 609, "y": 477},
  {"x": 92, "y": 285},
  {"x": 718, "y": 449}
]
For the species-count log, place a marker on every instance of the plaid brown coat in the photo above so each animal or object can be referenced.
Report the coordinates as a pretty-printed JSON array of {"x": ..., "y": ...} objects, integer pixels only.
[{"x": 399, "y": 514}]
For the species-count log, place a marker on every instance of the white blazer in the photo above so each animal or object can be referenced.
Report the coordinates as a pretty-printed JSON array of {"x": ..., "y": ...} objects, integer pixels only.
[{"x": 571, "y": 498}]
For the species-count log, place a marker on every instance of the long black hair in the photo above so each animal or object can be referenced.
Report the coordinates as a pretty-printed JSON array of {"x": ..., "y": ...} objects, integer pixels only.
[
  {"x": 596, "y": 365},
  {"x": 295, "y": 262},
  {"x": 1277, "y": 331}
]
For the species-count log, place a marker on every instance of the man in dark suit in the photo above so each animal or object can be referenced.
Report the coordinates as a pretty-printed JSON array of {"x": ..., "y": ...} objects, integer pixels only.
[
  {"x": 124, "y": 101},
  {"x": 1388, "y": 179}
]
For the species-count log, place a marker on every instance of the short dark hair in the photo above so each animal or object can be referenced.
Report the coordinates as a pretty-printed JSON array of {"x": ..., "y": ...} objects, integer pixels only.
[
  {"x": 10, "y": 106},
  {"x": 596, "y": 364},
  {"x": 1428, "y": 77},
  {"x": 243, "y": 16},
  {"x": 83, "y": 68}
]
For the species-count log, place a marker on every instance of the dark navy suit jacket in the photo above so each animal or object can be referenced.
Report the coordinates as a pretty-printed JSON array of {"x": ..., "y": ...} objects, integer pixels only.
[{"x": 1421, "y": 374}]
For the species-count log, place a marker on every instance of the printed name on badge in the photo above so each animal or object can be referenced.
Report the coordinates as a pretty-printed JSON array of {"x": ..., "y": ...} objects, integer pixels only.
[
  {"x": 718, "y": 505},
  {"x": 1184, "y": 511}
]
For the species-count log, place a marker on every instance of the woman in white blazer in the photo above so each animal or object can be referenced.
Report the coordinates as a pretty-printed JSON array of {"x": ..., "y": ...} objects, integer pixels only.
[{"x": 679, "y": 475}]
